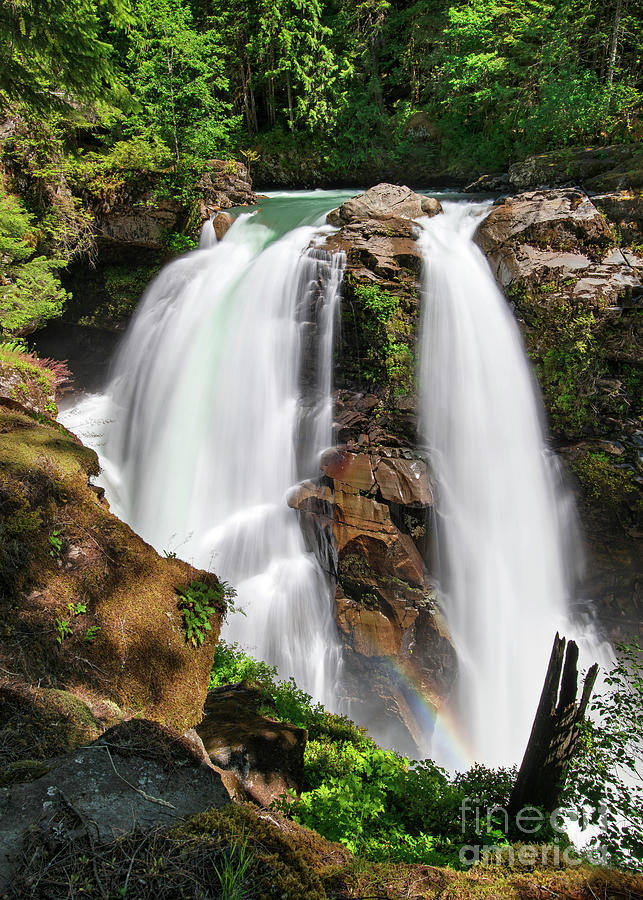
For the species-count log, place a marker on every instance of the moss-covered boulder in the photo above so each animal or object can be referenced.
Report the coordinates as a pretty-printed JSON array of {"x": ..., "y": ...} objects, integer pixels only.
[
  {"x": 86, "y": 606},
  {"x": 616, "y": 167}
]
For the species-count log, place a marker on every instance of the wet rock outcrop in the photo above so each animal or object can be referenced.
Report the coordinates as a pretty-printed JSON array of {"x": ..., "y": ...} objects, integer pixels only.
[
  {"x": 139, "y": 224},
  {"x": 367, "y": 515},
  {"x": 372, "y": 508},
  {"x": 576, "y": 289},
  {"x": 139, "y": 212}
]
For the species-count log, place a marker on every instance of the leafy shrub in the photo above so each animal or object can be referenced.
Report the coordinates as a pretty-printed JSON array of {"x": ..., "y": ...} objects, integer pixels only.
[
  {"x": 604, "y": 781},
  {"x": 30, "y": 292},
  {"x": 377, "y": 803}
]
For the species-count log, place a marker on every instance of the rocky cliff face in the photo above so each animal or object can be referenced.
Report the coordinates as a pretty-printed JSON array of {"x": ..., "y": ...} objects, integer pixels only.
[
  {"x": 575, "y": 288},
  {"x": 139, "y": 222}
]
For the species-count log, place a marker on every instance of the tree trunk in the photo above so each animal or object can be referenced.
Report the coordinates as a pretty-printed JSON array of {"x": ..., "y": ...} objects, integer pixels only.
[
  {"x": 613, "y": 49},
  {"x": 246, "y": 102},
  {"x": 554, "y": 733},
  {"x": 290, "y": 114}
]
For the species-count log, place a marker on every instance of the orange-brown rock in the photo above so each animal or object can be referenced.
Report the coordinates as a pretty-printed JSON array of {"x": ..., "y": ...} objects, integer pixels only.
[
  {"x": 378, "y": 249},
  {"x": 351, "y": 472},
  {"x": 368, "y": 631},
  {"x": 221, "y": 224},
  {"x": 403, "y": 481}
]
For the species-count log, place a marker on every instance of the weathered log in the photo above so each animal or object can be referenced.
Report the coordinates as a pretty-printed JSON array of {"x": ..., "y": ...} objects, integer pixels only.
[{"x": 554, "y": 733}]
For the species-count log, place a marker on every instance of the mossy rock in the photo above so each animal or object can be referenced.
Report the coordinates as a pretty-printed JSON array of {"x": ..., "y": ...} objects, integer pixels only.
[
  {"x": 22, "y": 771},
  {"x": 84, "y": 602},
  {"x": 40, "y": 723}
]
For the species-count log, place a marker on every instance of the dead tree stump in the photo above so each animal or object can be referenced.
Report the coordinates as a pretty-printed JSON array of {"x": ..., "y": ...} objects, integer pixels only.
[{"x": 554, "y": 733}]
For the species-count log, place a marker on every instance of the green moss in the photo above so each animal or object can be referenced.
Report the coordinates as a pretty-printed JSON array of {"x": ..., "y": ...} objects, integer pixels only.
[
  {"x": 354, "y": 566},
  {"x": 38, "y": 723},
  {"x": 138, "y": 657},
  {"x": 380, "y": 325},
  {"x": 23, "y": 771},
  {"x": 604, "y": 481}
]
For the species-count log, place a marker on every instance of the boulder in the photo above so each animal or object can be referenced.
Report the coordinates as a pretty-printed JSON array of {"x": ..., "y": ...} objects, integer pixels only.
[
  {"x": 561, "y": 220},
  {"x": 96, "y": 613},
  {"x": 221, "y": 223},
  {"x": 384, "y": 201},
  {"x": 624, "y": 209},
  {"x": 558, "y": 238},
  {"x": 404, "y": 482},
  {"x": 266, "y": 756},
  {"x": 138, "y": 775},
  {"x": 619, "y": 166},
  {"x": 492, "y": 183},
  {"x": 351, "y": 472}
]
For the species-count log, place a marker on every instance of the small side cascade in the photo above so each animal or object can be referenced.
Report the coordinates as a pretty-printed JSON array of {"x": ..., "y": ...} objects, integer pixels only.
[{"x": 208, "y": 237}]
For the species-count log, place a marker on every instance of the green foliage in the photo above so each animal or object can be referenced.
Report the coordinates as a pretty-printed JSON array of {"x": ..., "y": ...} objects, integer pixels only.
[
  {"x": 199, "y": 602},
  {"x": 605, "y": 781},
  {"x": 604, "y": 481},
  {"x": 63, "y": 630},
  {"x": 178, "y": 243},
  {"x": 30, "y": 292},
  {"x": 91, "y": 634},
  {"x": 233, "y": 870},
  {"x": 77, "y": 609},
  {"x": 51, "y": 49},
  {"x": 55, "y": 544},
  {"x": 176, "y": 73},
  {"x": 388, "y": 358},
  {"x": 374, "y": 801},
  {"x": 568, "y": 362}
]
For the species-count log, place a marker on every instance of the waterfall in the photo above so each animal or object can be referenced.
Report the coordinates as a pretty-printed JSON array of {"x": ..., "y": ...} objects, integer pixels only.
[
  {"x": 202, "y": 448},
  {"x": 507, "y": 542}
]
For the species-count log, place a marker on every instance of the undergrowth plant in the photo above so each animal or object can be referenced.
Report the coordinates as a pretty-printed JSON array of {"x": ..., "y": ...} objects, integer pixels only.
[
  {"x": 605, "y": 781},
  {"x": 232, "y": 870},
  {"x": 376, "y": 802},
  {"x": 198, "y": 603}
]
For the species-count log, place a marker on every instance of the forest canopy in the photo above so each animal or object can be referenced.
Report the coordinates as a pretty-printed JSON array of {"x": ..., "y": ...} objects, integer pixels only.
[{"x": 462, "y": 86}]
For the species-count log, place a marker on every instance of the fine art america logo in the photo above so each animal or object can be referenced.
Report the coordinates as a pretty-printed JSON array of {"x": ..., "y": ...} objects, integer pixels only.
[{"x": 493, "y": 821}]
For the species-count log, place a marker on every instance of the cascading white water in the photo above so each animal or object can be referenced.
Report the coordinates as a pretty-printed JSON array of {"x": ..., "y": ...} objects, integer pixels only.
[
  {"x": 507, "y": 543},
  {"x": 208, "y": 426},
  {"x": 205, "y": 418}
]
